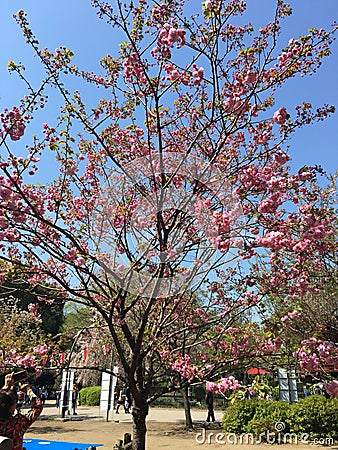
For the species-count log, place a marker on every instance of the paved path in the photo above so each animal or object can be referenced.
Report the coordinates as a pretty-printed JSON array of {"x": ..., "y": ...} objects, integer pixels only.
[{"x": 155, "y": 414}]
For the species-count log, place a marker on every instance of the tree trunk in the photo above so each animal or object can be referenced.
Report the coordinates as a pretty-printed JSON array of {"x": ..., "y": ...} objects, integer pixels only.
[
  {"x": 186, "y": 403},
  {"x": 140, "y": 413}
]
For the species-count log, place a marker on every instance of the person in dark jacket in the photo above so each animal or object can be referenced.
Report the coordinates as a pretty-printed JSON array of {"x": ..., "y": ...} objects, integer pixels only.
[
  {"x": 209, "y": 400},
  {"x": 128, "y": 401},
  {"x": 75, "y": 394}
]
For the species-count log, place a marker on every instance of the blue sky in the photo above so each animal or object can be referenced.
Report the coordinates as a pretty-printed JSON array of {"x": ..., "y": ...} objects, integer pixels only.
[{"x": 73, "y": 23}]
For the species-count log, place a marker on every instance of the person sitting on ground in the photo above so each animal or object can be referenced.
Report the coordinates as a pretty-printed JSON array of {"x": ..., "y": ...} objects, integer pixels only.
[{"x": 14, "y": 426}]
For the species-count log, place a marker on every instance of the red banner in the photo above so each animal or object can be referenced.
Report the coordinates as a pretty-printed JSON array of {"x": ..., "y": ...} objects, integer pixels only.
[{"x": 106, "y": 349}]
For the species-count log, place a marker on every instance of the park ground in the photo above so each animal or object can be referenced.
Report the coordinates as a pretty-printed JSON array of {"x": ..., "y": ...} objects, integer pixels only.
[{"x": 165, "y": 430}]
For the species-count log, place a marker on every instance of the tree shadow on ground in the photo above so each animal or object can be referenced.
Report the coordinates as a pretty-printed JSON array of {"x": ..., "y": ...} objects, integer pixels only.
[{"x": 42, "y": 429}]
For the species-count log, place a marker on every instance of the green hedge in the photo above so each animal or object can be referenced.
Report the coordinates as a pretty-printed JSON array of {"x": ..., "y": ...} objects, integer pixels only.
[
  {"x": 314, "y": 415},
  {"x": 90, "y": 396},
  {"x": 238, "y": 415}
]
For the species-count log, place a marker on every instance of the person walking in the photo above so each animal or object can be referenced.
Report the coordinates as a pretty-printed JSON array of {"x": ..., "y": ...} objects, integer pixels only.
[
  {"x": 43, "y": 394},
  {"x": 14, "y": 426},
  {"x": 209, "y": 400},
  {"x": 127, "y": 401},
  {"x": 120, "y": 401}
]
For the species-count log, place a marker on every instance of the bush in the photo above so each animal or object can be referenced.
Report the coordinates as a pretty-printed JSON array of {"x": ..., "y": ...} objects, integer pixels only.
[
  {"x": 238, "y": 415},
  {"x": 314, "y": 415},
  {"x": 168, "y": 402},
  {"x": 90, "y": 396},
  {"x": 267, "y": 414}
]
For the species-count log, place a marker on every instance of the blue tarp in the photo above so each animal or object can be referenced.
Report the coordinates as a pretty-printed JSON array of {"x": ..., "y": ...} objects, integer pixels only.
[{"x": 41, "y": 444}]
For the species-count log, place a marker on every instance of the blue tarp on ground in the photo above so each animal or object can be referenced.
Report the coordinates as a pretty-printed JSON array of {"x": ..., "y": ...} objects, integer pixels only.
[{"x": 40, "y": 444}]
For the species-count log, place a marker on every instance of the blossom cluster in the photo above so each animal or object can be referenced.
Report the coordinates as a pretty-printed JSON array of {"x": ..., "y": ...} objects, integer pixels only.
[
  {"x": 290, "y": 315},
  {"x": 28, "y": 360},
  {"x": 133, "y": 68},
  {"x": 270, "y": 346},
  {"x": 167, "y": 37},
  {"x": 186, "y": 77},
  {"x": 280, "y": 116},
  {"x": 13, "y": 123},
  {"x": 41, "y": 349},
  {"x": 316, "y": 353},
  {"x": 223, "y": 385},
  {"x": 331, "y": 388},
  {"x": 187, "y": 370}
]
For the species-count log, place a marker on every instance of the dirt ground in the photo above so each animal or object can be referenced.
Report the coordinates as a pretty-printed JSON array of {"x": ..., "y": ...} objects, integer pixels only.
[{"x": 160, "y": 435}]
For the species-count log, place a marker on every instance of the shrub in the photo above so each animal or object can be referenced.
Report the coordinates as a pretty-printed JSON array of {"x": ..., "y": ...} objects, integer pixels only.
[
  {"x": 90, "y": 396},
  {"x": 316, "y": 416},
  {"x": 267, "y": 415},
  {"x": 238, "y": 415}
]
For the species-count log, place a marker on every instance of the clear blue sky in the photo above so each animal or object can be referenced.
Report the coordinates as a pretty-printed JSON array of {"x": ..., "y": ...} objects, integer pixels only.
[{"x": 73, "y": 23}]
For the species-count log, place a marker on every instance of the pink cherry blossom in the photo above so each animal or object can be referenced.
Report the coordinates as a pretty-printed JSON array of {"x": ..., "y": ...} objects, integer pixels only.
[
  {"x": 223, "y": 385},
  {"x": 41, "y": 349},
  {"x": 331, "y": 388},
  {"x": 13, "y": 123},
  {"x": 280, "y": 116}
]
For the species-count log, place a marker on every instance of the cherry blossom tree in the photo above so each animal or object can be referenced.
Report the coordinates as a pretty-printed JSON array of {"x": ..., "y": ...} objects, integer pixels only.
[
  {"x": 23, "y": 342},
  {"x": 178, "y": 178},
  {"x": 308, "y": 324},
  {"x": 44, "y": 301},
  {"x": 31, "y": 318}
]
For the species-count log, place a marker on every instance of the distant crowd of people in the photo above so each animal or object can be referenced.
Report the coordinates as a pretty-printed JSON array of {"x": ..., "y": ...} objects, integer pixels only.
[
  {"x": 23, "y": 398},
  {"x": 315, "y": 389}
]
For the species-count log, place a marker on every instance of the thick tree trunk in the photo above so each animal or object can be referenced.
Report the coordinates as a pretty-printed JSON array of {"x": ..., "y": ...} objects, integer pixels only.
[
  {"x": 140, "y": 413},
  {"x": 186, "y": 403}
]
